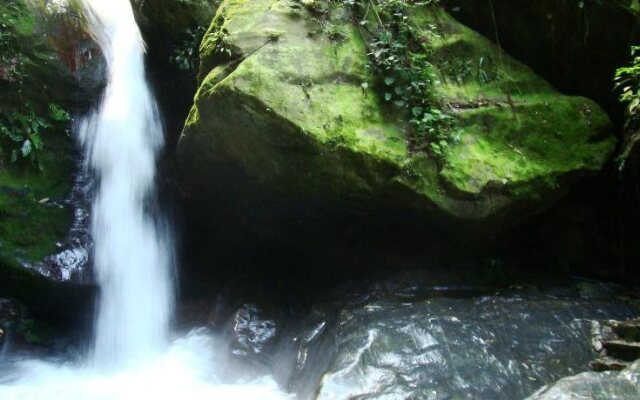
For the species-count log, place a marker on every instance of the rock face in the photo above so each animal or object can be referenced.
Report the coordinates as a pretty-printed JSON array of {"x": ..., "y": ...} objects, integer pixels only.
[
  {"x": 414, "y": 335},
  {"x": 453, "y": 348},
  {"x": 617, "y": 368},
  {"x": 282, "y": 132},
  {"x": 44, "y": 67},
  {"x": 172, "y": 18}
]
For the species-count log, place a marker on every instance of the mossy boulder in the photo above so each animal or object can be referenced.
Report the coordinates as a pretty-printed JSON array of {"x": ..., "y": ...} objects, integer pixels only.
[
  {"x": 35, "y": 78},
  {"x": 283, "y": 132}
]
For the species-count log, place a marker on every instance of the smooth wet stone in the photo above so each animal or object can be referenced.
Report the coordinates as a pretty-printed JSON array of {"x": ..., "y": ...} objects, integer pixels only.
[
  {"x": 487, "y": 347},
  {"x": 595, "y": 386}
]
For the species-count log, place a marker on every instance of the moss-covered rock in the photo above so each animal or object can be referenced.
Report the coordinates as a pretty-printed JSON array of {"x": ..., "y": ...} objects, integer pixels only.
[
  {"x": 282, "y": 122},
  {"x": 35, "y": 75},
  {"x": 575, "y": 44}
]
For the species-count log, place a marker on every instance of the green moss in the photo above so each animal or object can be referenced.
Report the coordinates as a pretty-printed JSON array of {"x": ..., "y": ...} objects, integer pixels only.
[
  {"x": 30, "y": 227},
  {"x": 544, "y": 137},
  {"x": 512, "y": 130}
]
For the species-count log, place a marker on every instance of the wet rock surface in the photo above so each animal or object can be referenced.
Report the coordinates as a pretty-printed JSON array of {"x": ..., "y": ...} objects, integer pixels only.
[
  {"x": 617, "y": 344},
  {"x": 20, "y": 332},
  {"x": 11, "y": 314},
  {"x": 251, "y": 330},
  {"x": 72, "y": 260},
  {"x": 596, "y": 386},
  {"x": 491, "y": 347},
  {"x": 396, "y": 340}
]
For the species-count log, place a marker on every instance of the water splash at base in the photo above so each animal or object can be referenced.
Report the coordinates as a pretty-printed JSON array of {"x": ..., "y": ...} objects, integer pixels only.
[{"x": 185, "y": 371}]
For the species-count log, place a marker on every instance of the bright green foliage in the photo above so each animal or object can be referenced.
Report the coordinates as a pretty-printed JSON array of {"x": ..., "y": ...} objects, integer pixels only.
[
  {"x": 22, "y": 124},
  {"x": 628, "y": 81},
  {"x": 24, "y": 130},
  {"x": 399, "y": 54}
]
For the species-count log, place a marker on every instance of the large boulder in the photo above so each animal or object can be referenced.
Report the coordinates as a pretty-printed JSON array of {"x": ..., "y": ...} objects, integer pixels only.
[{"x": 283, "y": 136}]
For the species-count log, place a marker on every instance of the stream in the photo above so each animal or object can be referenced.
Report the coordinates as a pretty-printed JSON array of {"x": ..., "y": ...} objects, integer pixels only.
[{"x": 386, "y": 339}]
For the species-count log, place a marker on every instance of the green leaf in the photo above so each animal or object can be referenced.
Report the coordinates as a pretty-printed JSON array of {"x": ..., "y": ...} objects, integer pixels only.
[
  {"x": 388, "y": 96},
  {"x": 36, "y": 140},
  {"x": 58, "y": 114},
  {"x": 389, "y": 80}
]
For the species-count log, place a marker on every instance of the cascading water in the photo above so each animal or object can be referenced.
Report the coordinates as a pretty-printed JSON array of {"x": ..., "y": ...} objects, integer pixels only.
[
  {"x": 386, "y": 341},
  {"x": 131, "y": 357},
  {"x": 132, "y": 253}
]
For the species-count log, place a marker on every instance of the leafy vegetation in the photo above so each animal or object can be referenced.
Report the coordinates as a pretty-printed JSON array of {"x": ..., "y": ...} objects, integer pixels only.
[
  {"x": 176, "y": 28},
  {"x": 22, "y": 123},
  {"x": 185, "y": 55},
  {"x": 627, "y": 80},
  {"x": 399, "y": 55},
  {"x": 23, "y": 131}
]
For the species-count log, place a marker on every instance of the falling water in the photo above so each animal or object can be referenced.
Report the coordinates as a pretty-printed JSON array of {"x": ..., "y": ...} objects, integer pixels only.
[
  {"x": 132, "y": 253},
  {"x": 131, "y": 356}
]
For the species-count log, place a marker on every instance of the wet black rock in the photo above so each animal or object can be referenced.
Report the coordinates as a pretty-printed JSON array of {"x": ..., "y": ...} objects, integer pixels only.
[
  {"x": 71, "y": 262},
  {"x": 252, "y": 333},
  {"x": 11, "y": 314},
  {"x": 487, "y": 347},
  {"x": 617, "y": 344}
]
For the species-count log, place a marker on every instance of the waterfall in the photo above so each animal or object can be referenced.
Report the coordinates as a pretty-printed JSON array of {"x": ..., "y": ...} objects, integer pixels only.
[
  {"x": 131, "y": 357},
  {"x": 133, "y": 253}
]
